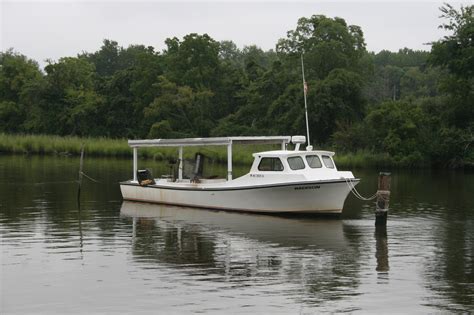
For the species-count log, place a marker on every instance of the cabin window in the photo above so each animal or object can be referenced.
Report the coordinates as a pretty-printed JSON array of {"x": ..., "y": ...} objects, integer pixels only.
[
  {"x": 296, "y": 163},
  {"x": 270, "y": 164},
  {"x": 313, "y": 161},
  {"x": 328, "y": 161}
]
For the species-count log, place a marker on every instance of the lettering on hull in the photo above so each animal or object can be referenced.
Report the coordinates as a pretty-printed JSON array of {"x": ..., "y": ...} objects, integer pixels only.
[{"x": 307, "y": 187}]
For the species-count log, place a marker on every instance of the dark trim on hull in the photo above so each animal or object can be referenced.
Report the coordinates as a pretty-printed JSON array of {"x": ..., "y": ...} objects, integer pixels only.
[
  {"x": 264, "y": 211},
  {"x": 128, "y": 183}
]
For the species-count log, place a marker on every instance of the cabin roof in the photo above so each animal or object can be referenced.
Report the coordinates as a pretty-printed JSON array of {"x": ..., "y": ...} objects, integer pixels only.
[
  {"x": 281, "y": 153},
  {"x": 209, "y": 141}
]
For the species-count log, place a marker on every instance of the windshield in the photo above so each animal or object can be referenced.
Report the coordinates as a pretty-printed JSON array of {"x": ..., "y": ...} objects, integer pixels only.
[
  {"x": 313, "y": 161},
  {"x": 328, "y": 161},
  {"x": 296, "y": 163}
]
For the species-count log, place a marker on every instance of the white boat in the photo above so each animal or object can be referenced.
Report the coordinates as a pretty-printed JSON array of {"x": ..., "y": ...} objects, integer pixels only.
[{"x": 280, "y": 181}]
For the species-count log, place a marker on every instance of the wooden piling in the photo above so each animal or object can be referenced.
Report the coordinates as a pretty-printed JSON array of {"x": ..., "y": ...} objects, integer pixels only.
[
  {"x": 383, "y": 198},
  {"x": 79, "y": 181}
]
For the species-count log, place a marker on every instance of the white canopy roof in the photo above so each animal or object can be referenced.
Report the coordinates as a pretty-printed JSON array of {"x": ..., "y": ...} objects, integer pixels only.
[
  {"x": 281, "y": 153},
  {"x": 209, "y": 141}
]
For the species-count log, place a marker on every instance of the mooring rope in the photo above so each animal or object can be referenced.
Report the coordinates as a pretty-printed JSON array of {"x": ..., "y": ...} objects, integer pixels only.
[
  {"x": 56, "y": 182},
  {"x": 356, "y": 193},
  {"x": 90, "y": 178}
]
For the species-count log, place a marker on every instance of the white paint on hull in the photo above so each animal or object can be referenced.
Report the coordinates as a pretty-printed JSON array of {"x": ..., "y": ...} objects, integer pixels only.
[{"x": 309, "y": 197}]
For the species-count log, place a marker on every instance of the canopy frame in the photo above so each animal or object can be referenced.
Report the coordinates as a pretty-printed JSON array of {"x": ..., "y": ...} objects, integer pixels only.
[{"x": 188, "y": 142}]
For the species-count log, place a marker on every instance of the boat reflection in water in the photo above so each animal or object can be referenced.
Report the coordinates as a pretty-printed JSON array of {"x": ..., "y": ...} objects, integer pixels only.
[
  {"x": 311, "y": 257},
  {"x": 277, "y": 230}
]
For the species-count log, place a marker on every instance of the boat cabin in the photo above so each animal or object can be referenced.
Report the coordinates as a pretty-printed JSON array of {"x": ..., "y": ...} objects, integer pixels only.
[{"x": 292, "y": 161}]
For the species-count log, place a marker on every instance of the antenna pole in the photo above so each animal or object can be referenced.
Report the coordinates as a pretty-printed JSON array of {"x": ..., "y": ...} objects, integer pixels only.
[{"x": 305, "y": 88}]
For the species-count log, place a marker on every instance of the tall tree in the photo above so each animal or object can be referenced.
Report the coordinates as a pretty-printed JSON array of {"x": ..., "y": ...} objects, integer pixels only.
[
  {"x": 129, "y": 90},
  {"x": 327, "y": 44},
  {"x": 67, "y": 103},
  {"x": 17, "y": 74},
  {"x": 455, "y": 53},
  {"x": 193, "y": 61},
  {"x": 179, "y": 111}
]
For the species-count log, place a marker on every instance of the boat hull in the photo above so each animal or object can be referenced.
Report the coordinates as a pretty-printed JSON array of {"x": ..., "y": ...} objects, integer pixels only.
[{"x": 309, "y": 197}]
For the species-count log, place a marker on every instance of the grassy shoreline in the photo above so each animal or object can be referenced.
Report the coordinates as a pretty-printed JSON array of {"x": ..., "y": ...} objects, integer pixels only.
[
  {"x": 118, "y": 148},
  {"x": 105, "y": 147}
]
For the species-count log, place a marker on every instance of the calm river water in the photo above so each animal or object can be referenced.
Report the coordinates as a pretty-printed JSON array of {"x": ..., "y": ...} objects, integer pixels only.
[{"x": 114, "y": 257}]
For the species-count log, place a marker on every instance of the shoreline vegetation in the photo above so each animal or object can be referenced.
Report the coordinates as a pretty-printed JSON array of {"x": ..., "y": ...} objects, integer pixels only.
[
  {"x": 118, "y": 148},
  {"x": 405, "y": 109}
]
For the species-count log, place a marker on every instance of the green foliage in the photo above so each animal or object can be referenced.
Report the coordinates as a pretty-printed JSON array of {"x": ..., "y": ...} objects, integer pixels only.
[
  {"x": 404, "y": 58},
  {"x": 17, "y": 75},
  {"x": 398, "y": 125},
  {"x": 68, "y": 102},
  {"x": 126, "y": 80},
  {"x": 400, "y": 75},
  {"x": 11, "y": 115},
  {"x": 327, "y": 44},
  {"x": 194, "y": 61},
  {"x": 337, "y": 98},
  {"x": 160, "y": 130},
  {"x": 455, "y": 53},
  {"x": 416, "y": 83},
  {"x": 16, "y": 72},
  {"x": 395, "y": 128},
  {"x": 180, "y": 108},
  {"x": 407, "y": 108}
]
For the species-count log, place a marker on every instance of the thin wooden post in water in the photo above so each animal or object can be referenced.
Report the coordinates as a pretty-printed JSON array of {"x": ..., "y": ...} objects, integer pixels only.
[
  {"x": 79, "y": 181},
  {"x": 383, "y": 198}
]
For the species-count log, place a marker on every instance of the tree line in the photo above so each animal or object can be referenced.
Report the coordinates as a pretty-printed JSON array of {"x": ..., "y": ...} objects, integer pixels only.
[{"x": 416, "y": 106}]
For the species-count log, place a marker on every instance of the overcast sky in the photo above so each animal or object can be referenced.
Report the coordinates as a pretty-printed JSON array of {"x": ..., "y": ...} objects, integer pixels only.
[{"x": 53, "y": 29}]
